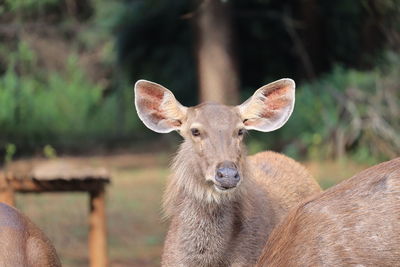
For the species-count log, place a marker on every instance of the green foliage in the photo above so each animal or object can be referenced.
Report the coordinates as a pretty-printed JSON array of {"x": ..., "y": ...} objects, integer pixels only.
[
  {"x": 155, "y": 42},
  {"x": 61, "y": 109},
  {"x": 10, "y": 150},
  {"x": 28, "y": 6},
  {"x": 348, "y": 111},
  {"x": 47, "y": 110},
  {"x": 49, "y": 152}
]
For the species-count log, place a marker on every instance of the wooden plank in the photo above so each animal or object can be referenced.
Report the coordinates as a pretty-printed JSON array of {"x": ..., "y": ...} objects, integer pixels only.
[
  {"x": 55, "y": 169},
  {"x": 34, "y": 186},
  {"x": 97, "y": 230},
  {"x": 62, "y": 170}
]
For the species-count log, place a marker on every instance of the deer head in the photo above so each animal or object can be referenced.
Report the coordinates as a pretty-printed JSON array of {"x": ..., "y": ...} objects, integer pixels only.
[{"x": 214, "y": 132}]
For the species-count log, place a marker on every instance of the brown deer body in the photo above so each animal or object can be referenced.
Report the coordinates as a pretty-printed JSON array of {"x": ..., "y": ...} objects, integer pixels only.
[
  {"x": 223, "y": 204},
  {"x": 355, "y": 223},
  {"x": 22, "y": 243}
]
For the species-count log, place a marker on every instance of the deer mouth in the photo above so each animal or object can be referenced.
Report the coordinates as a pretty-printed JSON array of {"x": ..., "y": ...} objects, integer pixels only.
[{"x": 223, "y": 188}]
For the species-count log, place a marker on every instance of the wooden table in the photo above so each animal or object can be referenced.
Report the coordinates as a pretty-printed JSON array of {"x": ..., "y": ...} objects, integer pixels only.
[{"x": 62, "y": 176}]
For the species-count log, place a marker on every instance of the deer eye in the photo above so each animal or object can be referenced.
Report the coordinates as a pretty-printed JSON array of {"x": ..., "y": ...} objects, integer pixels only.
[
  {"x": 241, "y": 132},
  {"x": 195, "y": 132}
]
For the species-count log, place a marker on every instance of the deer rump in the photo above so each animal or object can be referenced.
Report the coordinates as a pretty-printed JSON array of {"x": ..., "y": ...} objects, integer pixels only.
[{"x": 22, "y": 243}]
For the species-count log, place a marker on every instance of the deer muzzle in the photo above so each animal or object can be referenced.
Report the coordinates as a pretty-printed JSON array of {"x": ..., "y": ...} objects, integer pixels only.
[{"x": 226, "y": 176}]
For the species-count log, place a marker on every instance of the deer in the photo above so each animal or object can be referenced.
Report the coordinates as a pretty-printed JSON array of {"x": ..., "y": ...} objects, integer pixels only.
[
  {"x": 22, "y": 243},
  {"x": 355, "y": 223},
  {"x": 222, "y": 204}
]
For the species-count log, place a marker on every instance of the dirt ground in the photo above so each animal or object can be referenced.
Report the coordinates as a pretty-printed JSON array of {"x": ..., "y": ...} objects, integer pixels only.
[{"x": 135, "y": 227}]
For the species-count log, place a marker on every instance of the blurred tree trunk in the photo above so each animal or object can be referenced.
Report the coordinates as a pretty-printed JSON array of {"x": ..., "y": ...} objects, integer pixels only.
[
  {"x": 218, "y": 76},
  {"x": 79, "y": 9},
  {"x": 311, "y": 34}
]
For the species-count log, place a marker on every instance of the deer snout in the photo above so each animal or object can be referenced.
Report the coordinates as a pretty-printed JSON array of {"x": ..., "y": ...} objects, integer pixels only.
[{"x": 227, "y": 175}]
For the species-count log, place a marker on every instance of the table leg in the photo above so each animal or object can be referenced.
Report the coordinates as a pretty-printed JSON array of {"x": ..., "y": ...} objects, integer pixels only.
[{"x": 97, "y": 230}]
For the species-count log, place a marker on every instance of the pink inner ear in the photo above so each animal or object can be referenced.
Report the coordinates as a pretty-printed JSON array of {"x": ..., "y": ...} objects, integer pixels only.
[
  {"x": 151, "y": 99},
  {"x": 150, "y": 91},
  {"x": 275, "y": 101},
  {"x": 250, "y": 122},
  {"x": 152, "y": 108},
  {"x": 150, "y": 102}
]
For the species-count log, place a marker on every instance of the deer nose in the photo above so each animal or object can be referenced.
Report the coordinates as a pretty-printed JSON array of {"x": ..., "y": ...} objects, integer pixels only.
[{"x": 227, "y": 175}]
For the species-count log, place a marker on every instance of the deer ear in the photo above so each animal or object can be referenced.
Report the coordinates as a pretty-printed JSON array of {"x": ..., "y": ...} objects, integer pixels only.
[
  {"x": 269, "y": 107},
  {"x": 157, "y": 107}
]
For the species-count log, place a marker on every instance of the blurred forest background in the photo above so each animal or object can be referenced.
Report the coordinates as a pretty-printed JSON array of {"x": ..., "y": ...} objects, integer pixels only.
[
  {"x": 68, "y": 67},
  {"x": 67, "y": 70}
]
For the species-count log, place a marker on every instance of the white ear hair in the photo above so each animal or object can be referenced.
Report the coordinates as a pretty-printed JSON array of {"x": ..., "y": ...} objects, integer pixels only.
[
  {"x": 157, "y": 107},
  {"x": 269, "y": 107}
]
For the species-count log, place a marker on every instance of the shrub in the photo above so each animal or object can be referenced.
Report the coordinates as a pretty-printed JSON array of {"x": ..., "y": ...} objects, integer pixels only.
[
  {"x": 59, "y": 109},
  {"x": 348, "y": 111}
]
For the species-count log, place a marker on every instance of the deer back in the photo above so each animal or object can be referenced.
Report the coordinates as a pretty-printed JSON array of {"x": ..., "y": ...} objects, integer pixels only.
[
  {"x": 356, "y": 222},
  {"x": 285, "y": 180}
]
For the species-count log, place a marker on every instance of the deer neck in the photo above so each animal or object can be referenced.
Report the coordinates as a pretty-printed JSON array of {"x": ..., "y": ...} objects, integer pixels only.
[
  {"x": 206, "y": 232},
  {"x": 205, "y": 225}
]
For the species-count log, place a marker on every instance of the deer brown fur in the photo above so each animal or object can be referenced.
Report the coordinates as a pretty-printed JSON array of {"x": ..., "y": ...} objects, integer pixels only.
[
  {"x": 355, "y": 223},
  {"x": 223, "y": 204},
  {"x": 22, "y": 243},
  {"x": 233, "y": 231}
]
